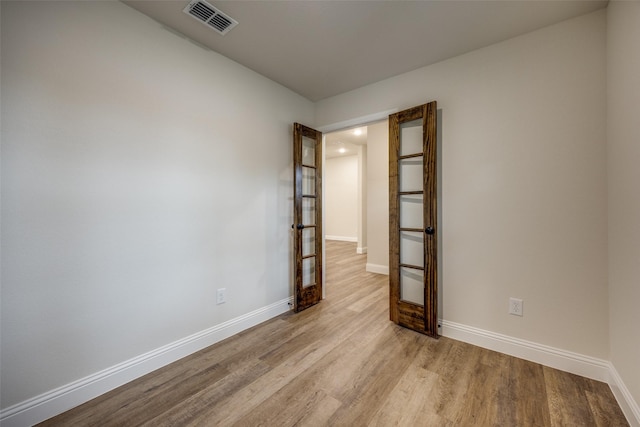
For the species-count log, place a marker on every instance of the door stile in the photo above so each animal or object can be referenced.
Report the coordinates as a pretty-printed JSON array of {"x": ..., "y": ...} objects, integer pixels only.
[
  {"x": 431, "y": 218},
  {"x": 394, "y": 226}
]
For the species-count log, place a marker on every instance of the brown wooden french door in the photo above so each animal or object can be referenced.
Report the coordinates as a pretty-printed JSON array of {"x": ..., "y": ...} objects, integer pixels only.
[
  {"x": 307, "y": 215},
  {"x": 413, "y": 275}
]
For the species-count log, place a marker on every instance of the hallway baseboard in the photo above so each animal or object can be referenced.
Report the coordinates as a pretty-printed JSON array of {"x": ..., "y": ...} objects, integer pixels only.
[
  {"x": 377, "y": 268},
  {"x": 341, "y": 238}
]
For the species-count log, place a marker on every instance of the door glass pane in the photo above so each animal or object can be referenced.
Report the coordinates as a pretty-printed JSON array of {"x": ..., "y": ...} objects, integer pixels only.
[
  {"x": 411, "y": 137},
  {"x": 308, "y": 181},
  {"x": 410, "y": 174},
  {"x": 412, "y": 248},
  {"x": 308, "y": 272},
  {"x": 411, "y": 211},
  {"x": 308, "y": 151},
  {"x": 308, "y": 241},
  {"x": 308, "y": 211},
  {"x": 412, "y": 285}
]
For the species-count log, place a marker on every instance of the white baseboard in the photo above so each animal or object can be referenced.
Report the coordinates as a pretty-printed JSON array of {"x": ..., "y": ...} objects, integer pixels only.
[
  {"x": 361, "y": 251},
  {"x": 586, "y": 366},
  {"x": 377, "y": 268},
  {"x": 629, "y": 406},
  {"x": 341, "y": 238},
  {"x": 575, "y": 363},
  {"x": 54, "y": 402}
]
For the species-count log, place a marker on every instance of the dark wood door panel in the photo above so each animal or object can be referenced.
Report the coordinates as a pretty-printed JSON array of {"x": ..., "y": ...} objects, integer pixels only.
[
  {"x": 420, "y": 315},
  {"x": 307, "y": 170}
]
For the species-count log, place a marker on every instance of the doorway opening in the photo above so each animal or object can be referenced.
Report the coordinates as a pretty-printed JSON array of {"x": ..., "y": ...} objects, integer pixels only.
[
  {"x": 408, "y": 144},
  {"x": 355, "y": 186}
]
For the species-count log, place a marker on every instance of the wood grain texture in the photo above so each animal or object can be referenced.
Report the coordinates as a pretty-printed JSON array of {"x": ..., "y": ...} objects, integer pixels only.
[
  {"x": 306, "y": 296},
  {"x": 343, "y": 363},
  {"x": 430, "y": 177},
  {"x": 394, "y": 218},
  {"x": 423, "y": 318}
]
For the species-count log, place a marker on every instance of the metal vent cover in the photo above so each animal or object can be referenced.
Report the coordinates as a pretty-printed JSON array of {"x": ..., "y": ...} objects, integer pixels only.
[{"x": 210, "y": 16}]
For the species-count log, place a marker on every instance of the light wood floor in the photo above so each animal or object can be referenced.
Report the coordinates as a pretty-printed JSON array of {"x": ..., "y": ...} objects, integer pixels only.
[{"x": 342, "y": 363}]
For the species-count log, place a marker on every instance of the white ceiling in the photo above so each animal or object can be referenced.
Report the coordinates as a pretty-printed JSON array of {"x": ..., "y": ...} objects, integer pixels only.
[
  {"x": 323, "y": 48},
  {"x": 345, "y": 142}
]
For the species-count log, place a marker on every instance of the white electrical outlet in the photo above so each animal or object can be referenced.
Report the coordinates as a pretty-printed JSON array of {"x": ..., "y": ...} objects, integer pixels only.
[
  {"x": 515, "y": 306},
  {"x": 220, "y": 297}
]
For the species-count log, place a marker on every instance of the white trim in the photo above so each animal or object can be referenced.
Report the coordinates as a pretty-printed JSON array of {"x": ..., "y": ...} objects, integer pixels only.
[
  {"x": 586, "y": 366},
  {"x": 377, "y": 268},
  {"x": 341, "y": 238},
  {"x": 359, "y": 121},
  {"x": 361, "y": 250},
  {"x": 629, "y": 407},
  {"x": 54, "y": 402}
]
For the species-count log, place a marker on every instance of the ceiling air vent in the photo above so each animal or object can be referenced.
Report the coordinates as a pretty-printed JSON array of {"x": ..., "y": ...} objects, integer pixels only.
[{"x": 210, "y": 16}]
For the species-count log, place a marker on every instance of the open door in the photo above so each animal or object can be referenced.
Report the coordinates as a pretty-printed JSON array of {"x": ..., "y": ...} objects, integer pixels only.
[
  {"x": 307, "y": 215},
  {"x": 413, "y": 275}
]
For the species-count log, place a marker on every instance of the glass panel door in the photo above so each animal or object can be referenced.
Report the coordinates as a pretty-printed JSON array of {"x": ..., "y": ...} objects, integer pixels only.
[
  {"x": 307, "y": 153},
  {"x": 412, "y": 216}
]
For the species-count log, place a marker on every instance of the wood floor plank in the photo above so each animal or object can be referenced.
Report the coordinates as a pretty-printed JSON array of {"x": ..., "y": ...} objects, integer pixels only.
[
  {"x": 197, "y": 406},
  {"x": 292, "y": 407},
  {"x": 526, "y": 379},
  {"x": 566, "y": 397},
  {"x": 482, "y": 403},
  {"x": 370, "y": 385},
  {"x": 343, "y": 363},
  {"x": 448, "y": 397},
  {"x": 364, "y": 302},
  {"x": 604, "y": 408},
  {"x": 406, "y": 404},
  {"x": 320, "y": 414}
]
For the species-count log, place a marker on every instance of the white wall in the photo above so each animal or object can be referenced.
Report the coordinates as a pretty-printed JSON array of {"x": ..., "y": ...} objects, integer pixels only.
[
  {"x": 118, "y": 223},
  {"x": 362, "y": 199},
  {"x": 134, "y": 184},
  {"x": 623, "y": 138},
  {"x": 523, "y": 180},
  {"x": 378, "y": 197},
  {"x": 341, "y": 198}
]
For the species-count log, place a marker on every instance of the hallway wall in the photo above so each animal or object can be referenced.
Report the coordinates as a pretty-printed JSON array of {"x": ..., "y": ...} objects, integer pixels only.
[{"x": 341, "y": 198}]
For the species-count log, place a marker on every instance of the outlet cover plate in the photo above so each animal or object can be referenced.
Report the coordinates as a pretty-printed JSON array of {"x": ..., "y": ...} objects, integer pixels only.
[
  {"x": 515, "y": 306},
  {"x": 220, "y": 296}
]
